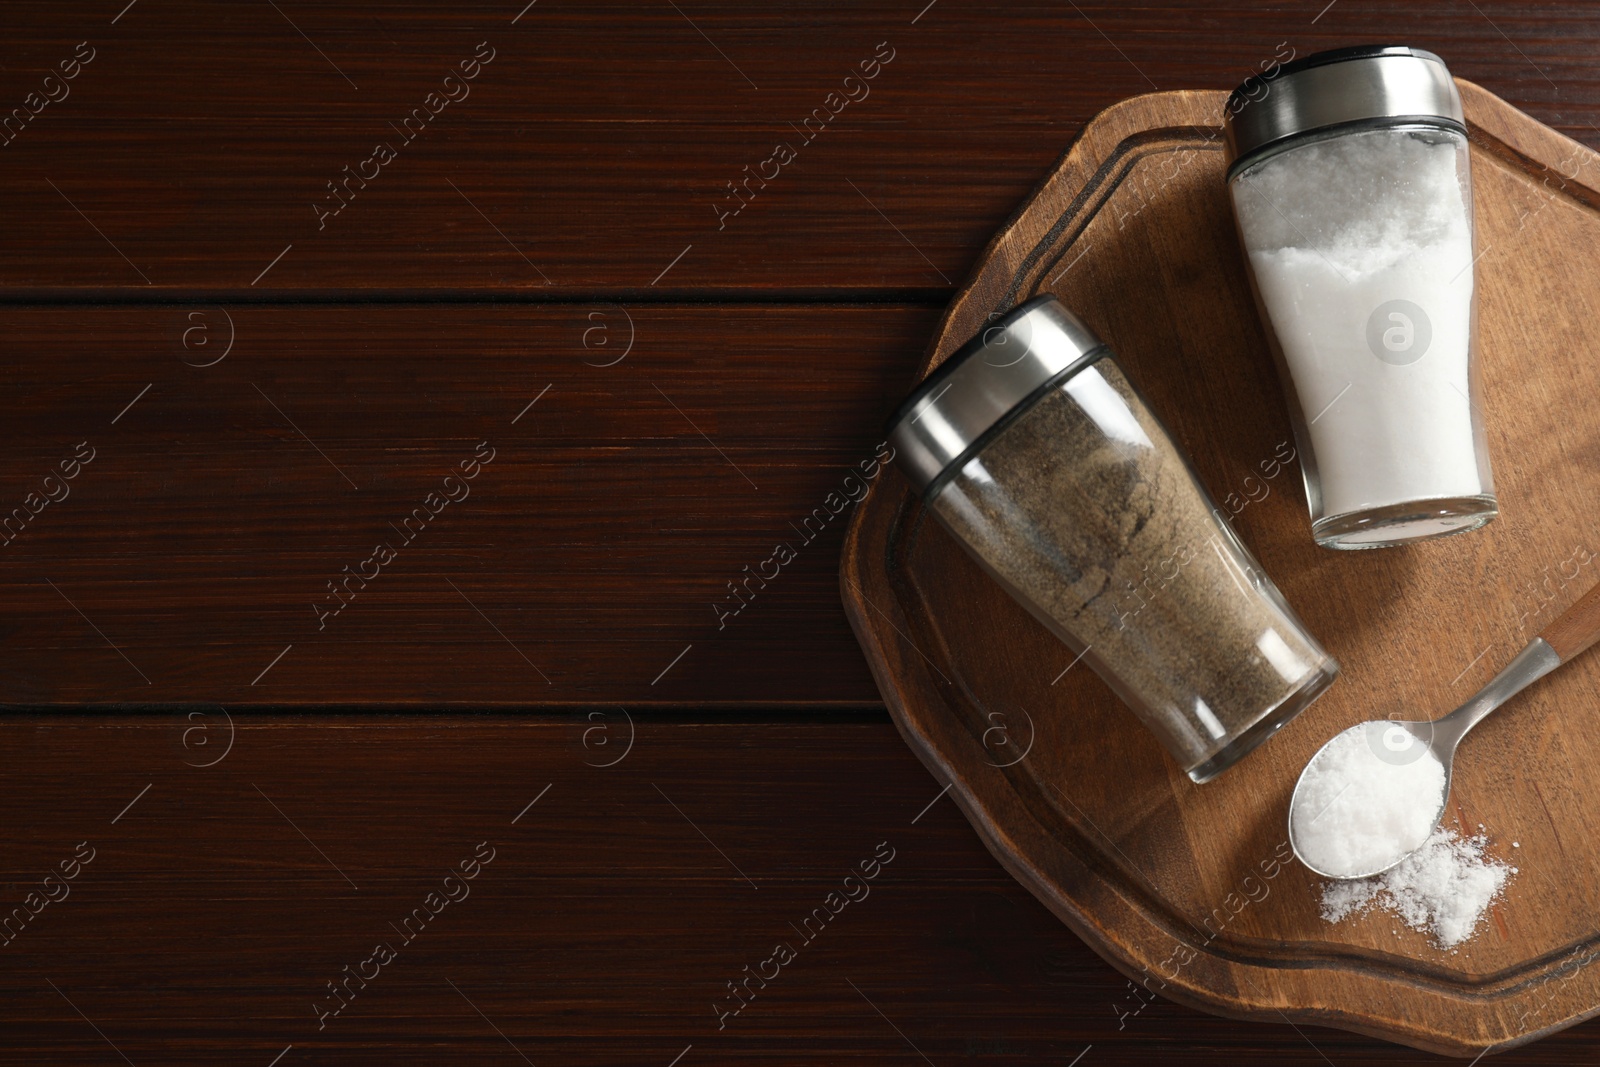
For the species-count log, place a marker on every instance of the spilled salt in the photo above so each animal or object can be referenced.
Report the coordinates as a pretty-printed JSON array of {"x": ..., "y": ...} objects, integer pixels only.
[
  {"x": 1443, "y": 889},
  {"x": 1370, "y": 796}
]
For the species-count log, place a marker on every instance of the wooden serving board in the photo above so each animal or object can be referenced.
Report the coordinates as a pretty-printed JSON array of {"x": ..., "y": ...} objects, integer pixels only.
[{"x": 1182, "y": 887}]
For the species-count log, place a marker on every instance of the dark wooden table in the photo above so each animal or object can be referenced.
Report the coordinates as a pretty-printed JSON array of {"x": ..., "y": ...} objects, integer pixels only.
[{"x": 395, "y": 395}]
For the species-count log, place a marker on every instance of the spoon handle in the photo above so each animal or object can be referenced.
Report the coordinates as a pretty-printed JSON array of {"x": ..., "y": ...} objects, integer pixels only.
[{"x": 1575, "y": 629}]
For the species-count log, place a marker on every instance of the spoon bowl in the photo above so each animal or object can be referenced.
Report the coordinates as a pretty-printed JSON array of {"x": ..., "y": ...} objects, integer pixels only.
[
  {"x": 1401, "y": 742},
  {"x": 1396, "y": 741}
]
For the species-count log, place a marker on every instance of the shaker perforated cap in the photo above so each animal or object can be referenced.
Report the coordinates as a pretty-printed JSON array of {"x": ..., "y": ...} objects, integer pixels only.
[
  {"x": 1389, "y": 84},
  {"x": 972, "y": 394}
]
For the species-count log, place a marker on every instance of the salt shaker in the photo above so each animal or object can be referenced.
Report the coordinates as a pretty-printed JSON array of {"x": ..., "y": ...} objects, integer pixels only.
[
  {"x": 1032, "y": 448},
  {"x": 1352, "y": 190}
]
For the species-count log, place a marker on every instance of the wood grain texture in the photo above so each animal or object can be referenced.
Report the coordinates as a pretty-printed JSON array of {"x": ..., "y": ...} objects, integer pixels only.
[
  {"x": 596, "y": 545},
  {"x": 591, "y": 153},
  {"x": 206, "y": 926},
  {"x": 1576, "y": 629},
  {"x": 596, "y": 145},
  {"x": 1134, "y": 232}
]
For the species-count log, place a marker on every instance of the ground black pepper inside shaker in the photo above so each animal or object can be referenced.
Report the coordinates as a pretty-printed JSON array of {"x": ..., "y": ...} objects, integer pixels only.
[{"x": 1033, "y": 449}]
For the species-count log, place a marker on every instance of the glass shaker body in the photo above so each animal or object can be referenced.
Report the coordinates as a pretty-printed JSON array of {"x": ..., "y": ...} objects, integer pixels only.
[
  {"x": 1079, "y": 505},
  {"x": 1359, "y": 241}
]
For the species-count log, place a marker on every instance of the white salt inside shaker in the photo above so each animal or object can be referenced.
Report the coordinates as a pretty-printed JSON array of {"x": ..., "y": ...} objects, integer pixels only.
[{"x": 1352, "y": 189}]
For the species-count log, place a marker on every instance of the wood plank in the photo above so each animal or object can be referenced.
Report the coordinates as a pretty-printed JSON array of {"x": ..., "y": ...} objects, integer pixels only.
[
  {"x": 585, "y": 557},
  {"x": 597, "y": 145},
  {"x": 215, "y": 908}
]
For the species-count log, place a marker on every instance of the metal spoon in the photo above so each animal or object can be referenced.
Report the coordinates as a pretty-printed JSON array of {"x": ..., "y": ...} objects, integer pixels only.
[{"x": 1575, "y": 630}]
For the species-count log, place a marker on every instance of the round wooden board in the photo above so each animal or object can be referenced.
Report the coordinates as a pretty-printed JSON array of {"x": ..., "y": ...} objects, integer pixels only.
[{"x": 1184, "y": 887}]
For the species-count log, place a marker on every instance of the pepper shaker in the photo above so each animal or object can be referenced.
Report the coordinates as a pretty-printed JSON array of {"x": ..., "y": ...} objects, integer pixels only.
[{"x": 1033, "y": 449}]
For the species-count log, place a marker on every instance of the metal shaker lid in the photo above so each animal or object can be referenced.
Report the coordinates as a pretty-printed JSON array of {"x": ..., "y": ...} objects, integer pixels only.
[
  {"x": 1383, "y": 83},
  {"x": 972, "y": 392}
]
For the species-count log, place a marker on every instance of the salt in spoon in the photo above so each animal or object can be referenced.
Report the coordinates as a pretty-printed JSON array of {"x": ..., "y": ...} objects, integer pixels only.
[{"x": 1574, "y": 631}]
